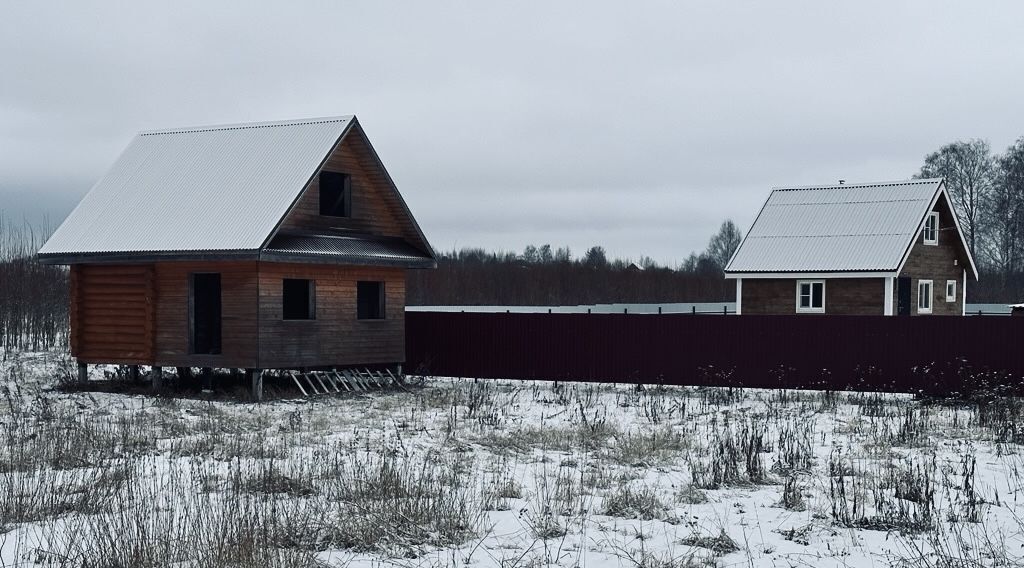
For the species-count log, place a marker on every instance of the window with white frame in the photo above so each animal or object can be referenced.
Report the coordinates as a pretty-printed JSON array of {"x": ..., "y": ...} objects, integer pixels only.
[
  {"x": 931, "y": 229},
  {"x": 950, "y": 290},
  {"x": 810, "y": 296},
  {"x": 924, "y": 296}
]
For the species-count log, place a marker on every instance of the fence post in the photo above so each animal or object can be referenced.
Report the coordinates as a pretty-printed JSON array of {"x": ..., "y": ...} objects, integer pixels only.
[
  {"x": 693, "y": 308},
  {"x": 659, "y": 310},
  {"x": 725, "y": 310}
]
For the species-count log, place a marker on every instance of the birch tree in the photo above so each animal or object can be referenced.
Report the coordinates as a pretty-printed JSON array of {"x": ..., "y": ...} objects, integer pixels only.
[{"x": 969, "y": 169}]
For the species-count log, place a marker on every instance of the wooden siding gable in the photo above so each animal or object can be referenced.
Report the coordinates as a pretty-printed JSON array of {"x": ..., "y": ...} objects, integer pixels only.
[
  {"x": 936, "y": 263},
  {"x": 942, "y": 204},
  {"x": 377, "y": 208}
]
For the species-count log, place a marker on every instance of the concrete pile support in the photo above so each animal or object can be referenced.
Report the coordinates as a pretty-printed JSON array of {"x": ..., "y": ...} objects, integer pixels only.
[{"x": 255, "y": 377}]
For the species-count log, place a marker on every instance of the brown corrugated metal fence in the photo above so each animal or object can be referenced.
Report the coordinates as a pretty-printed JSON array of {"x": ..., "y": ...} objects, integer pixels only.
[{"x": 901, "y": 354}]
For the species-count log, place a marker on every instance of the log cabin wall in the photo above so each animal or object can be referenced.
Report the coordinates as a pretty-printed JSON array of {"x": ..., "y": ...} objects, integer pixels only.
[
  {"x": 372, "y": 209},
  {"x": 239, "y": 333},
  {"x": 843, "y": 296},
  {"x": 336, "y": 337},
  {"x": 112, "y": 313}
]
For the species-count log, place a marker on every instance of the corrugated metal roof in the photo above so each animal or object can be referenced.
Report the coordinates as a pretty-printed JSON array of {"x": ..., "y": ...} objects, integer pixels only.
[
  {"x": 214, "y": 188},
  {"x": 847, "y": 228},
  {"x": 365, "y": 250}
]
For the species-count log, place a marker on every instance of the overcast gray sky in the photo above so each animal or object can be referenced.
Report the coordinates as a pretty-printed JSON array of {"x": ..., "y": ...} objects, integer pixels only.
[{"x": 638, "y": 126}]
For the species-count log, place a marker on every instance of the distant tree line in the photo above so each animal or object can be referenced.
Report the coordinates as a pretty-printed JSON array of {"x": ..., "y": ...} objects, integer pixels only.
[
  {"x": 542, "y": 275},
  {"x": 987, "y": 191},
  {"x": 33, "y": 296}
]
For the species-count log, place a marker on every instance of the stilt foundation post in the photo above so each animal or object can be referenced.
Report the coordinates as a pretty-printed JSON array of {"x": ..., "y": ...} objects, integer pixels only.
[
  {"x": 157, "y": 382},
  {"x": 256, "y": 378}
]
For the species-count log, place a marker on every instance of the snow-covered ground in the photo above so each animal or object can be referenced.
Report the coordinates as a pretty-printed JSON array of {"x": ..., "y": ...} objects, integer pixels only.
[{"x": 458, "y": 472}]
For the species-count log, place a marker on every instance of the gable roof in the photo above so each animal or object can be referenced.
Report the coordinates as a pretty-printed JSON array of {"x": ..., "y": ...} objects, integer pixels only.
[
  {"x": 838, "y": 228},
  {"x": 205, "y": 191}
]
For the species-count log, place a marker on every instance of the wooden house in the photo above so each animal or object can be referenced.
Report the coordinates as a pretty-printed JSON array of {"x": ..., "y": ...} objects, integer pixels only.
[
  {"x": 275, "y": 245},
  {"x": 891, "y": 248}
]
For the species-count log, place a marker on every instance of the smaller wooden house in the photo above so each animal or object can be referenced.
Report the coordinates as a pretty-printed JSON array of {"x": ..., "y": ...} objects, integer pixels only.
[
  {"x": 275, "y": 245},
  {"x": 890, "y": 248}
]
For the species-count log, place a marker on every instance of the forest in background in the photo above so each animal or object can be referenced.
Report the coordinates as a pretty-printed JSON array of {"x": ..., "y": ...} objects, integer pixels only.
[
  {"x": 33, "y": 296},
  {"x": 543, "y": 276}
]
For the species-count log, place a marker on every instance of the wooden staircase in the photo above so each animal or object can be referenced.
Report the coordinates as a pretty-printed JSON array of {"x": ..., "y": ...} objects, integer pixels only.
[{"x": 320, "y": 383}]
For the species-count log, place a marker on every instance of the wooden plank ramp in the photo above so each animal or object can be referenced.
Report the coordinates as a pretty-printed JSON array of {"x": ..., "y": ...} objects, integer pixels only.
[{"x": 322, "y": 383}]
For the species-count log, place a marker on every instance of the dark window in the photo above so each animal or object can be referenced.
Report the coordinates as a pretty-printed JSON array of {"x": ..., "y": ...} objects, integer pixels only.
[
  {"x": 299, "y": 299},
  {"x": 370, "y": 300},
  {"x": 335, "y": 194},
  {"x": 206, "y": 316}
]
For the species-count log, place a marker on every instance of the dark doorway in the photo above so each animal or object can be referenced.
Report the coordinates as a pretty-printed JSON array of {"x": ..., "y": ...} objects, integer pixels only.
[
  {"x": 903, "y": 296},
  {"x": 205, "y": 303}
]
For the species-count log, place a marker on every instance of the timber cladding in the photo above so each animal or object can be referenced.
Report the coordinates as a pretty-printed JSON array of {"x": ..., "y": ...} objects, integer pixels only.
[
  {"x": 113, "y": 313},
  {"x": 843, "y": 296},
  {"x": 336, "y": 336},
  {"x": 239, "y": 332},
  {"x": 142, "y": 315},
  {"x": 373, "y": 207}
]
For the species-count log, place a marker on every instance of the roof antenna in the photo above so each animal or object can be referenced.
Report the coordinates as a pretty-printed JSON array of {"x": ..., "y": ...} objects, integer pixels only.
[{"x": 842, "y": 181}]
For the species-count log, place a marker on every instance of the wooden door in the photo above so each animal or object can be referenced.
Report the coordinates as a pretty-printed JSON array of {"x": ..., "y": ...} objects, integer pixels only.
[
  {"x": 903, "y": 296},
  {"x": 205, "y": 303}
]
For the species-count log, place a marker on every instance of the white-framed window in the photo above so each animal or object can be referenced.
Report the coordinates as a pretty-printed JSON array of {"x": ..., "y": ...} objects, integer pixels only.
[
  {"x": 810, "y": 296},
  {"x": 950, "y": 290},
  {"x": 924, "y": 296},
  {"x": 931, "y": 229}
]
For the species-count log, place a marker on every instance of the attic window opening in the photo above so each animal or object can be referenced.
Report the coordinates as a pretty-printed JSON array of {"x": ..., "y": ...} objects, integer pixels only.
[
  {"x": 370, "y": 300},
  {"x": 931, "y": 229},
  {"x": 298, "y": 299},
  {"x": 335, "y": 194},
  {"x": 810, "y": 296}
]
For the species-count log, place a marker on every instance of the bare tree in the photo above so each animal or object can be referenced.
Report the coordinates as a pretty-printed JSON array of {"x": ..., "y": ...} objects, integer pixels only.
[
  {"x": 969, "y": 168},
  {"x": 545, "y": 254},
  {"x": 1004, "y": 212},
  {"x": 724, "y": 243},
  {"x": 530, "y": 254}
]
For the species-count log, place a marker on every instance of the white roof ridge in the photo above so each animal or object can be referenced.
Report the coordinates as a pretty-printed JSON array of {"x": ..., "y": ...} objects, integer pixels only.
[
  {"x": 831, "y": 236},
  {"x": 247, "y": 125},
  {"x": 845, "y": 201},
  {"x": 860, "y": 185}
]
